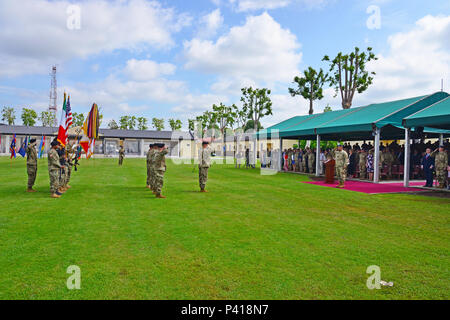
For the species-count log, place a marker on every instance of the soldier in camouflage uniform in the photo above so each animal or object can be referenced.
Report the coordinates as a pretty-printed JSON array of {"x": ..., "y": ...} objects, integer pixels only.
[
  {"x": 304, "y": 161},
  {"x": 388, "y": 160},
  {"x": 63, "y": 172},
  {"x": 362, "y": 164},
  {"x": 342, "y": 162},
  {"x": 160, "y": 168},
  {"x": 70, "y": 156},
  {"x": 151, "y": 167},
  {"x": 311, "y": 159},
  {"x": 441, "y": 164},
  {"x": 54, "y": 167},
  {"x": 121, "y": 155},
  {"x": 204, "y": 162},
  {"x": 31, "y": 164}
]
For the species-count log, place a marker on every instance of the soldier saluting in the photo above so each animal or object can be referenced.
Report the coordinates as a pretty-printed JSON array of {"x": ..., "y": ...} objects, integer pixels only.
[
  {"x": 204, "y": 162},
  {"x": 31, "y": 164},
  {"x": 54, "y": 168}
]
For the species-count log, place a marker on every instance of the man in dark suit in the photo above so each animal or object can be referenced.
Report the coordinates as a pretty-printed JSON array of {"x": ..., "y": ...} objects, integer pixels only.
[{"x": 428, "y": 167}]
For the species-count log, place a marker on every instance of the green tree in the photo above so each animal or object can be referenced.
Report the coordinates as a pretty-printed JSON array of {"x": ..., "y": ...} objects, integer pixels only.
[
  {"x": 142, "y": 123},
  {"x": 29, "y": 117},
  {"x": 327, "y": 108},
  {"x": 47, "y": 118},
  {"x": 158, "y": 124},
  {"x": 251, "y": 125},
  {"x": 191, "y": 124},
  {"x": 113, "y": 125},
  {"x": 124, "y": 122},
  {"x": 175, "y": 125},
  {"x": 350, "y": 74},
  {"x": 78, "y": 119},
  {"x": 225, "y": 118},
  {"x": 132, "y": 122},
  {"x": 256, "y": 104},
  {"x": 9, "y": 115},
  {"x": 310, "y": 86},
  {"x": 241, "y": 116}
]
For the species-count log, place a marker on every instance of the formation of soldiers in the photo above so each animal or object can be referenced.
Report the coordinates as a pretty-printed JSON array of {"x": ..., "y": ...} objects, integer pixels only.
[
  {"x": 298, "y": 160},
  {"x": 156, "y": 167}
]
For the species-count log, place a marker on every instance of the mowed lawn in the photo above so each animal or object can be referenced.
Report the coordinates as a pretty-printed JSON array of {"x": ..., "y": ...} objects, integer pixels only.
[{"x": 251, "y": 237}]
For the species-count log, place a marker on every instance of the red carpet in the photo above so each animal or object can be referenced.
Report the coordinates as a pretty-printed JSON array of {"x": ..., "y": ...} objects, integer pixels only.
[{"x": 371, "y": 188}]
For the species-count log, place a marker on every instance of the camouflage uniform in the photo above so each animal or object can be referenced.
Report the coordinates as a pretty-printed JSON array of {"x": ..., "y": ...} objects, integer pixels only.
[
  {"x": 388, "y": 160},
  {"x": 160, "y": 168},
  {"x": 151, "y": 169},
  {"x": 362, "y": 164},
  {"x": 54, "y": 168},
  {"x": 342, "y": 161},
  {"x": 121, "y": 155},
  {"x": 63, "y": 171},
  {"x": 70, "y": 153},
  {"x": 441, "y": 163},
  {"x": 305, "y": 156},
  {"x": 31, "y": 164},
  {"x": 311, "y": 159},
  {"x": 204, "y": 162}
]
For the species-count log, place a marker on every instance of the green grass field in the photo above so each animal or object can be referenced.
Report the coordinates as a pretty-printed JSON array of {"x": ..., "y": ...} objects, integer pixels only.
[{"x": 251, "y": 237}]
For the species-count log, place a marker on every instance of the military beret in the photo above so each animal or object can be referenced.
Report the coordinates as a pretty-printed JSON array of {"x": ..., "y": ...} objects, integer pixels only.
[
  {"x": 32, "y": 140},
  {"x": 205, "y": 143},
  {"x": 54, "y": 143},
  {"x": 442, "y": 146},
  {"x": 160, "y": 145},
  {"x": 151, "y": 145}
]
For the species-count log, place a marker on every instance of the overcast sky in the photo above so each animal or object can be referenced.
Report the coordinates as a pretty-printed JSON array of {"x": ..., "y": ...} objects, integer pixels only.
[{"x": 175, "y": 58}]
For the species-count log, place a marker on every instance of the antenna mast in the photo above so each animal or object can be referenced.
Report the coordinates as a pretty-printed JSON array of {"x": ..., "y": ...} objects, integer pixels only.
[{"x": 53, "y": 95}]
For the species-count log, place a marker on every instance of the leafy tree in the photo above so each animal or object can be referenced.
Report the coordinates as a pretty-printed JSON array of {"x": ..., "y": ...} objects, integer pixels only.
[
  {"x": 9, "y": 115},
  {"x": 241, "y": 117},
  {"x": 256, "y": 104},
  {"x": 327, "y": 108},
  {"x": 208, "y": 120},
  {"x": 251, "y": 125},
  {"x": 191, "y": 124},
  {"x": 142, "y": 123},
  {"x": 175, "y": 125},
  {"x": 310, "y": 86},
  {"x": 132, "y": 122},
  {"x": 350, "y": 74},
  {"x": 47, "y": 118},
  {"x": 124, "y": 122},
  {"x": 78, "y": 119},
  {"x": 29, "y": 117},
  {"x": 113, "y": 125},
  {"x": 225, "y": 118},
  {"x": 158, "y": 124}
]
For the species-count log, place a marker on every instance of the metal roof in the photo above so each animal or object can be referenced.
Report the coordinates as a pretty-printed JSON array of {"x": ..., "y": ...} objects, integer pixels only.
[
  {"x": 435, "y": 116},
  {"x": 106, "y": 133}
]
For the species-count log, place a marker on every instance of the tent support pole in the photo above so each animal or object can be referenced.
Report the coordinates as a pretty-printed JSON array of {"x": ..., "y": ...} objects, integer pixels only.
[
  {"x": 407, "y": 157},
  {"x": 376, "y": 176},
  {"x": 280, "y": 167},
  {"x": 441, "y": 139},
  {"x": 318, "y": 156}
]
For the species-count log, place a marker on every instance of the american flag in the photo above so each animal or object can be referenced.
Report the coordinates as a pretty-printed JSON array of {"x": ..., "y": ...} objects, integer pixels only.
[{"x": 68, "y": 116}]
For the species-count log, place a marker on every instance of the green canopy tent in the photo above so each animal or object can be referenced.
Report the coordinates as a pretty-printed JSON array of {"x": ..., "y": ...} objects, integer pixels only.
[
  {"x": 381, "y": 120},
  {"x": 434, "y": 117}
]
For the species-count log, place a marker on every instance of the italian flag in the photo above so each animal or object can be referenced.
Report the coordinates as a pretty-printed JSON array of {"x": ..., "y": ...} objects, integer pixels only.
[{"x": 62, "y": 124}]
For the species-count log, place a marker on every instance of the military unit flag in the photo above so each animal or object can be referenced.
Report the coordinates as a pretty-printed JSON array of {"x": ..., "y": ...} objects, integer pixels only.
[
  {"x": 23, "y": 148},
  {"x": 41, "y": 147},
  {"x": 12, "y": 147}
]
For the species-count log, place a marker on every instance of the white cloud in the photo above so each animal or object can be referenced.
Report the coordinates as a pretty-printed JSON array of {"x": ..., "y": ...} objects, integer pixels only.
[
  {"x": 34, "y": 33},
  {"x": 142, "y": 70},
  {"x": 260, "y": 50},
  {"x": 210, "y": 24},
  {"x": 252, "y": 5},
  {"x": 416, "y": 62}
]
